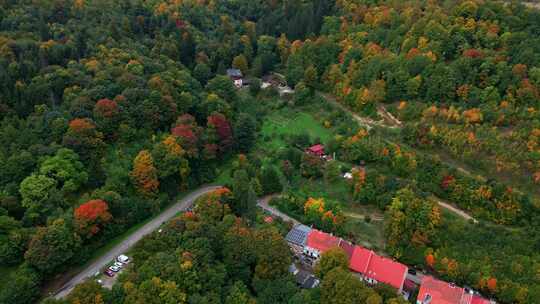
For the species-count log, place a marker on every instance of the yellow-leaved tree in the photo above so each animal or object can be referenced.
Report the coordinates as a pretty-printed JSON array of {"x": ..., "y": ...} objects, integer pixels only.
[{"x": 144, "y": 174}]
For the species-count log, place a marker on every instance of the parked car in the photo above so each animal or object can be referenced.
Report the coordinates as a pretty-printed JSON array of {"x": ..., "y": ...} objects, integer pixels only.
[
  {"x": 124, "y": 259},
  {"x": 109, "y": 273},
  {"x": 114, "y": 268},
  {"x": 118, "y": 264}
]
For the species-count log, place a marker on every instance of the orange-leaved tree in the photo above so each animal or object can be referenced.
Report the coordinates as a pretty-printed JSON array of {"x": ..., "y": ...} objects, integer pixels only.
[
  {"x": 144, "y": 174},
  {"x": 91, "y": 215}
]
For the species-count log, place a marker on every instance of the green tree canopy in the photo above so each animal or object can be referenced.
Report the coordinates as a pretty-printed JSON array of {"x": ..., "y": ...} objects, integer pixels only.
[
  {"x": 333, "y": 258},
  {"x": 66, "y": 169},
  {"x": 52, "y": 246}
]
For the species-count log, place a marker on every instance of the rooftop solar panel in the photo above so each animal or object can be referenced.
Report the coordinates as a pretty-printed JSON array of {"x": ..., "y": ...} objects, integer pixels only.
[{"x": 298, "y": 235}]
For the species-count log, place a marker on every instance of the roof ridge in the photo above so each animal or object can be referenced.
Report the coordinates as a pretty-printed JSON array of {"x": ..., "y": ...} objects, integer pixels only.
[{"x": 371, "y": 253}]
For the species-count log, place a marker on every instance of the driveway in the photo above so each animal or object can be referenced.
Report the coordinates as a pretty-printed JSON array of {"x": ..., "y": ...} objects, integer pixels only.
[
  {"x": 121, "y": 248},
  {"x": 263, "y": 204}
]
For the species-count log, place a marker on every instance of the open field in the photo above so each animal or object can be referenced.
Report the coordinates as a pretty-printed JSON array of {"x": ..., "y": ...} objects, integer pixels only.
[{"x": 282, "y": 123}]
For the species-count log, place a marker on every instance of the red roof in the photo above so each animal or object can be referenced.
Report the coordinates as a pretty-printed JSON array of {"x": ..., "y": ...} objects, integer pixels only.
[
  {"x": 387, "y": 271},
  {"x": 360, "y": 259},
  {"x": 479, "y": 300},
  {"x": 321, "y": 241},
  {"x": 378, "y": 268},
  {"x": 347, "y": 247},
  {"x": 316, "y": 148},
  {"x": 441, "y": 292}
]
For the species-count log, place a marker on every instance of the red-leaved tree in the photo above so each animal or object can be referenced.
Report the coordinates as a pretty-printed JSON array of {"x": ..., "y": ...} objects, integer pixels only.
[
  {"x": 83, "y": 137},
  {"x": 107, "y": 116},
  {"x": 106, "y": 108},
  {"x": 223, "y": 130},
  {"x": 92, "y": 215},
  {"x": 187, "y": 131},
  {"x": 473, "y": 53}
]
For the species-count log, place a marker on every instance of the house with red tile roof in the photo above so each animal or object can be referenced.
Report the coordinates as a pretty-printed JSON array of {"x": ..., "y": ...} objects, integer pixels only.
[
  {"x": 433, "y": 291},
  {"x": 360, "y": 259},
  {"x": 319, "y": 242},
  {"x": 375, "y": 268},
  {"x": 440, "y": 292},
  {"x": 387, "y": 271}
]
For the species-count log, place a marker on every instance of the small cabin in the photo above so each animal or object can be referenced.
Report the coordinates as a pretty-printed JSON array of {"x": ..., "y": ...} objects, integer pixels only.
[
  {"x": 236, "y": 76},
  {"x": 317, "y": 150}
]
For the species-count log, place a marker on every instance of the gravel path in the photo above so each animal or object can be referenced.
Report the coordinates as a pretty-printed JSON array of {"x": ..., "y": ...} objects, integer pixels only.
[
  {"x": 121, "y": 248},
  {"x": 455, "y": 210},
  {"x": 263, "y": 204}
]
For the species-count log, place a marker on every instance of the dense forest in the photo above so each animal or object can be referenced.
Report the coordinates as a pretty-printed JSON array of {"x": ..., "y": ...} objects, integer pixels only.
[{"x": 109, "y": 110}]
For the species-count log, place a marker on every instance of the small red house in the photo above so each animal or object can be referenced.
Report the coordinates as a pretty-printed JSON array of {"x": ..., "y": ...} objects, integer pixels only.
[{"x": 317, "y": 150}]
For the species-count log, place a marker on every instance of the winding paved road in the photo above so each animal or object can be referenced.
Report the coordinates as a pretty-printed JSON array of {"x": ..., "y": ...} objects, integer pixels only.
[{"x": 96, "y": 266}]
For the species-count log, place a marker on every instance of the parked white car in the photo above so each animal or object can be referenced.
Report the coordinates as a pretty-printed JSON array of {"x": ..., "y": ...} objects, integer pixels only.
[
  {"x": 114, "y": 268},
  {"x": 118, "y": 264},
  {"x": 124, "y": 259}
]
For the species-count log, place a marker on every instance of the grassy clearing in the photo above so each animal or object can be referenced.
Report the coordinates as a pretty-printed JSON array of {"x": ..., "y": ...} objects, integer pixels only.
[
  {"x": 370, "y": 235},
  {"x": 282, "y": 123},
  {"x": 357, "y": 229}
]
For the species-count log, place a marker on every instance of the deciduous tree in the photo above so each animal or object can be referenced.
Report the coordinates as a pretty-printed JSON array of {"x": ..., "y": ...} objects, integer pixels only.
[
  {"x": 40, "y": 196},
  {"x": 66, "y": 169},
  {"x": 333, "y": 258},
  {"x": 144, "y": 174},
  {"x": 52, "y": 246},
  {"x": 91, "y": 216},
  {"x": 339, "y": 286}
]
